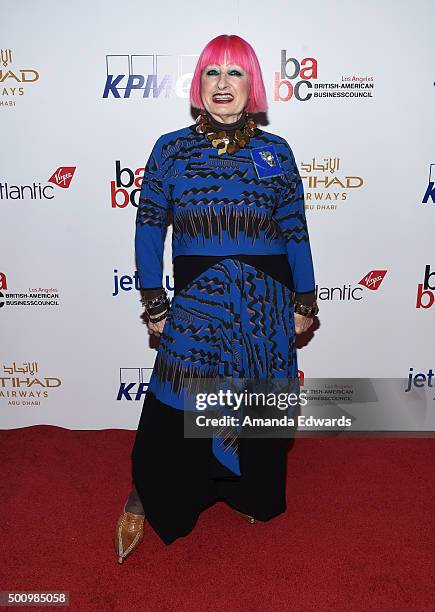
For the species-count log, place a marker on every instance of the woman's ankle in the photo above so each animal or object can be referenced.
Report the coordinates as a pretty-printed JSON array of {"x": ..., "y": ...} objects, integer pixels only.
[{"x": 134, "y": 504}]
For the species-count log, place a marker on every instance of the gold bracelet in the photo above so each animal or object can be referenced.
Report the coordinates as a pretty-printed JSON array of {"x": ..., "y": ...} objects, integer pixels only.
[{"x": 306, "y": 311}]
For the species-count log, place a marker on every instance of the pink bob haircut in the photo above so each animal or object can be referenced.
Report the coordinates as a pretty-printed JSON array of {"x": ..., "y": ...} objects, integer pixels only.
[{"x": 238, "y": 51}]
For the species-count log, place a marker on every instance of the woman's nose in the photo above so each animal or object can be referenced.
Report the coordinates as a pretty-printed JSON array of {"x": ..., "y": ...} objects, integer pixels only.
[{"x": 222, "y": 81}]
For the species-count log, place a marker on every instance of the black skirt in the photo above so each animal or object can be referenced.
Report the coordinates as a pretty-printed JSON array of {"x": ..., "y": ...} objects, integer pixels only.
[{"x": 177, "y": 477}]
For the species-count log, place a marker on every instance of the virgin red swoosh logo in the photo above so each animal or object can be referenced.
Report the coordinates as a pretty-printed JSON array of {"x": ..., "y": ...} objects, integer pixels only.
[
  {"x": 62, "y": 177},
  {"x": 373, "y": 279}
]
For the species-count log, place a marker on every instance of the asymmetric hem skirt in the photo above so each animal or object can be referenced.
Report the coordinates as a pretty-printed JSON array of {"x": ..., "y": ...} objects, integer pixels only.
[{"x": 237, "y": 319}]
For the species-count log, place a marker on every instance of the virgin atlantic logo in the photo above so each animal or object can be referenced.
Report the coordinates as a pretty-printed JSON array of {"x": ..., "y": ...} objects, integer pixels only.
[
  {"x": 373, "y": 279},
  {"x": 62, "y": 177}
]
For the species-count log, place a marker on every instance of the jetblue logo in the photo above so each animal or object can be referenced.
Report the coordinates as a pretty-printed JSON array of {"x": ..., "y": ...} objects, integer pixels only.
[
  {"x": 133, "y": 383},
  {"x": 419, "y": 379},
  {"x": 127, "y": 282},
  {"x": 148, "y": 76},
  {"x": 429, "y": 196}
]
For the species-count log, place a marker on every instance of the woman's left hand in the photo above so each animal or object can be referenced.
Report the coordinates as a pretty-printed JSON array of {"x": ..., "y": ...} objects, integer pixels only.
[
  {"x": 156, "y": 329},
  {"x": 302, "y": 323}
]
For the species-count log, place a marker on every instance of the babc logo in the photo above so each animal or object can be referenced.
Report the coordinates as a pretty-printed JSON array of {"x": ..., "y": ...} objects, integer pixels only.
[
  {"x": 3, "y": 281},
  {"x": 121, "y": 192},
  {"x": 426, "y": 290},
  {"x": 294, "y": 78}
]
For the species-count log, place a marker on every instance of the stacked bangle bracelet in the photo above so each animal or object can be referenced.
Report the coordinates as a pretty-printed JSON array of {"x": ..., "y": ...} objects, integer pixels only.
[
  {"x": 157, "y": 307},
  {"x": 306, "y": 311}
]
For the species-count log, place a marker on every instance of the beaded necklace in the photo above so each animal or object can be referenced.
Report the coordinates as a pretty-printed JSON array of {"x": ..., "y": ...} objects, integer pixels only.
[{"x": 221, "y": 140}]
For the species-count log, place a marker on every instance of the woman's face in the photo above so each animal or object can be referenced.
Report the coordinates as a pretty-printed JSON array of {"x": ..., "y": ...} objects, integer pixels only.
[{"x": 224, "y": 90}]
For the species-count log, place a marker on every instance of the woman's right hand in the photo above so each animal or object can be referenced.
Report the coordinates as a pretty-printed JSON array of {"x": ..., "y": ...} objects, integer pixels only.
[{"x": 155, "y": 329}]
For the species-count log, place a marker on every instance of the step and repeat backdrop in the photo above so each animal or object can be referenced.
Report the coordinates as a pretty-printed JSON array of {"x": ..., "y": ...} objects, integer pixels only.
[{"x": 86, "y": 89}]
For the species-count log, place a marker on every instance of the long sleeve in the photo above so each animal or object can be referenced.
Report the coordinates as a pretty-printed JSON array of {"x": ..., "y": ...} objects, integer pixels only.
[
  {"x": 154, "y": 205},
  {"x": 290, "y": 216}
]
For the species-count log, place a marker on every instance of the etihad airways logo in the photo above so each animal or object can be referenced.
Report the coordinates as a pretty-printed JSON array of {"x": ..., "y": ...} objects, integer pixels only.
[
  {"x": 325, "y": 184},
  {"x": 12, "y": 79},
  {"x": 24, "y": 385}
]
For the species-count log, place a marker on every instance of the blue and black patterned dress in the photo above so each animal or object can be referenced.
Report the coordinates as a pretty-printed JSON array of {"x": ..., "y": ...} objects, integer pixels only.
[{"x": 241, "y": 253}]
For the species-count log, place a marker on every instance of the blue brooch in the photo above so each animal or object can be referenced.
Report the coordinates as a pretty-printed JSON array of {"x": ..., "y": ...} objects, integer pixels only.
[{"x": 266, "y": 161}]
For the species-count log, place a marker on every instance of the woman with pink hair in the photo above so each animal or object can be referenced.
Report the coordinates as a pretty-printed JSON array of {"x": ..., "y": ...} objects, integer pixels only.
[{"x": 244, "y": 286}]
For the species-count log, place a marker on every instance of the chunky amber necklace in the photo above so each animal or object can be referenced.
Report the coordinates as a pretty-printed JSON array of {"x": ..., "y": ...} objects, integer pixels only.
[{"x": 221, "y": 140}]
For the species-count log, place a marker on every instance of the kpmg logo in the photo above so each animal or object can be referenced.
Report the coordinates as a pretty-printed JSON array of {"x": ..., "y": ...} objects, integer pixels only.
[
  {"x": 148, "y": 76},
  {"x": 133, "y": 383},
  {"x": 429, "y": 195}
]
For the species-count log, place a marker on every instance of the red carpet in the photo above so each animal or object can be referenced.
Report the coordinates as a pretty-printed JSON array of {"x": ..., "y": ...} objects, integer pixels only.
[{"x": 358, "y": 533}]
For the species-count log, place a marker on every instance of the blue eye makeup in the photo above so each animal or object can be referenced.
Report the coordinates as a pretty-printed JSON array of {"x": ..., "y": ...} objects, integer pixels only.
[{"x": 231, "y": 72}]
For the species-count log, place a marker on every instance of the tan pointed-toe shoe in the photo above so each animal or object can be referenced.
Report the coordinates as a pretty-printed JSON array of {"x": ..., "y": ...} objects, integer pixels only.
[
  {"x": 128, "y": 534},
  {"x": 247, "y": 517}
]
